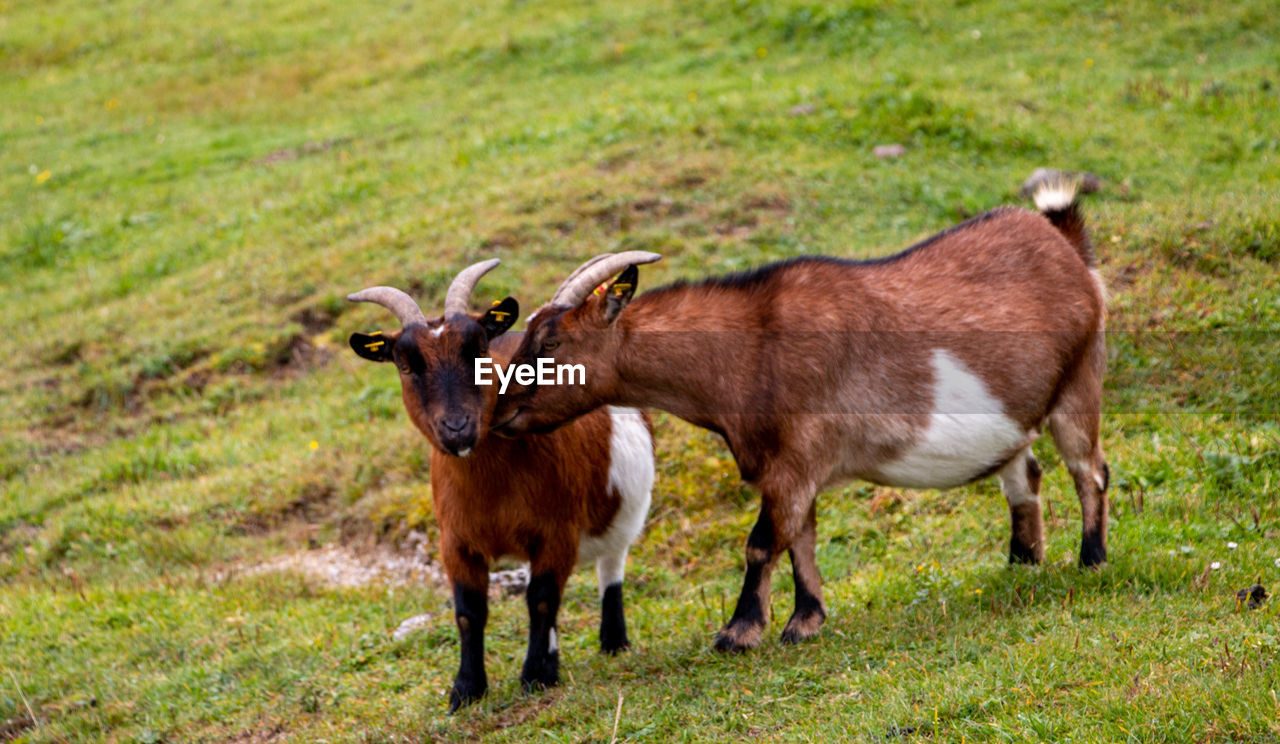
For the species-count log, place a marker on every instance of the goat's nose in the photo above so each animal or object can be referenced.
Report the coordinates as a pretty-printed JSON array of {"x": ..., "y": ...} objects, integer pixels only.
[{"x": 457, "y": 423}]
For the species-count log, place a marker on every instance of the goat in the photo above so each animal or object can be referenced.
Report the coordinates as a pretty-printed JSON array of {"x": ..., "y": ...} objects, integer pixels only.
[
  {"x": 931, "y": 368},
  {"x": 578, "y": 494}
]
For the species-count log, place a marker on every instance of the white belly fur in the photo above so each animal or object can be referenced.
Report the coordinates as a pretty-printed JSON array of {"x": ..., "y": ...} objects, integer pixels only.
[
  {"x": 968, "y": 432},
  {"x": 631, "y": 474}
]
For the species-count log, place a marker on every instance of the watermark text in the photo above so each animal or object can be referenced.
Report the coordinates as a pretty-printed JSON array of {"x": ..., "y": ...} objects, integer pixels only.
[{"x": 546, "y": 372}]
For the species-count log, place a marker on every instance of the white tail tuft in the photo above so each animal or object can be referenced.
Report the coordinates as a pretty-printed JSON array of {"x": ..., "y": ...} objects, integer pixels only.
[{"x": 1055, "y": 195}]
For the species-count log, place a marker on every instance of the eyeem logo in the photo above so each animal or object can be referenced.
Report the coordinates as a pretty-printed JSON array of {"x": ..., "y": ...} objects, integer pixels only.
[{"x": 547, "y": 372}]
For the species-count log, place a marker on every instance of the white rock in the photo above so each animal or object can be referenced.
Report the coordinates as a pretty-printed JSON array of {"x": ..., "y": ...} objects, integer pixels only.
[
  {"x": 887, "y": 152},
  {"x": 411, "y": 624}
]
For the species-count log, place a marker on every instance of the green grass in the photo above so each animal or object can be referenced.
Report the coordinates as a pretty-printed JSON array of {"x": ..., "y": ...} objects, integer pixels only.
[{"x": 189, "y": 190}]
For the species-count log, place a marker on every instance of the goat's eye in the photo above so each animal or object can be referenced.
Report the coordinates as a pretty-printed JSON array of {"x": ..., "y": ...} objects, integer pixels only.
[
  {"x": 404, "y": 368},
  {"x": 550, "y": 345}
]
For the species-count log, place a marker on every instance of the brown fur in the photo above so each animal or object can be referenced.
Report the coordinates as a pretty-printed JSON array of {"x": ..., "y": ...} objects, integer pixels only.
[
  {"x": 1028, "y": 533},
  {"x": 530, "y": 497},
  {"x": 527, "y": 497},
  {"x": 765, "y": 358}
]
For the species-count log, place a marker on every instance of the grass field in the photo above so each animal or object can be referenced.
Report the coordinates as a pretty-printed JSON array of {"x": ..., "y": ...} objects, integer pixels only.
[{"x": 188, "y": 190}]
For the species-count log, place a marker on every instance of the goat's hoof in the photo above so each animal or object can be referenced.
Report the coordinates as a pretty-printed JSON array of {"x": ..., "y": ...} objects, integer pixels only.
[
  {"x": 542, "y": 674},
  {"x": 1093, "y": 555},
  {"x": 613, "y": 638},
  {"x": 803, "y": 627},
  {"x": 535, "y": 684},
  {"x": 464, "y": 693},
  {"x": 734, "y": 639},
  {"x": 613, "y": 648},
  {"x": 1024, "y": 554}
]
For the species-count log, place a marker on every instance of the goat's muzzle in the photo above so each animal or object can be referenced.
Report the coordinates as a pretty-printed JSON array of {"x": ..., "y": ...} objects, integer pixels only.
[{"x": 457, "y": 434}]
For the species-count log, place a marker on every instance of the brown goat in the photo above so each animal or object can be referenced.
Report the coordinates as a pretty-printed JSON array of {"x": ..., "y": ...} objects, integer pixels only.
[
  {"x": 931, "y": 368},
  {"x": 578, "y": 494}
]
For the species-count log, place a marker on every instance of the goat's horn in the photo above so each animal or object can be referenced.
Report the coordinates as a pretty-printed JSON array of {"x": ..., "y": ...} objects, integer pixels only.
[
  {"x": 576, "y": 273},
  {"x": 580, "y": 283},
  {"x": 455, "y": 301},
  {"x": 406, "y": 310}
]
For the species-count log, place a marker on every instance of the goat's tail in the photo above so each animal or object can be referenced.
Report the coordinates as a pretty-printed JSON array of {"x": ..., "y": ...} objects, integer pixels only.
[{"x": 1058, "y": 200}]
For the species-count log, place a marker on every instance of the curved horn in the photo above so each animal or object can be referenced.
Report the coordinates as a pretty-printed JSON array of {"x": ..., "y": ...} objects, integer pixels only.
[
  {"x": 455, "y": 301},
  {"x": 394, "y": 300},
  {"x": 576, "y": 273},
  {"x": 581, "y": 282}
]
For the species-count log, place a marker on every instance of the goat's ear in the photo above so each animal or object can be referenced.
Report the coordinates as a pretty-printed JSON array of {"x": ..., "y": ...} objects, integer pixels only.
[
  {"x": 500, "y": 317},
  {"x": 372, "y": 346},
  {"x": 620, "y": 293}
]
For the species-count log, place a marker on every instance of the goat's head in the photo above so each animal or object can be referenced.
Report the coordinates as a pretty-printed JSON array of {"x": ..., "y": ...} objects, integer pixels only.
[
  {"x": 436, "y": 358},
  {"x": 575, "y": 327}
]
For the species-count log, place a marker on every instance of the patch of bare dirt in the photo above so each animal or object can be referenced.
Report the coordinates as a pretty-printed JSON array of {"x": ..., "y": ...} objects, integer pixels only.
[
  {"x": 65, "y": 353},
  {"x": 522, "y": 712},
  {"x": 314, "y": 319},
  {"x": 12, "y": 728},
  {"x": 348, "y": 566},
  {"x": 300, "y": 354},
  {"x": 628, "y": 215},
  {"x": 340, "y": 566},
  {"x": 260, "y": 736},
  {"x": 752, "y": 212},
  {"x": 17, "y": 535},
  {"x": 286, "y": 154},
  {"x": 313, "y": 503},
  {"x": 628, "y": 193}
]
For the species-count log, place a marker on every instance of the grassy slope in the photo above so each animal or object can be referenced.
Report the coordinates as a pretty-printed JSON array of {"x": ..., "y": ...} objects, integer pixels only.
[{"x": 188, "y": 193}]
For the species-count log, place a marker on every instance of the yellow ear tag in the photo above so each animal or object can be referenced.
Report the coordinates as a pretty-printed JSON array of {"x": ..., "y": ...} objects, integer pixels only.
[
  {"x": 619, "y": 288},
  {"x": 496, "y": 303},
  {"x": 600, "y": 289},
  {"x": 374, "y": 345},
  {"x": 499, "y": 315}
]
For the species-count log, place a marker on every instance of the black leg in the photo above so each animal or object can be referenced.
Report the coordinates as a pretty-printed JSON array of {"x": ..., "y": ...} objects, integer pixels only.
[
  {"x": 1094, "y": 509},
  {"x": 747, "y": 624},
  {"x": 542, "y": 662},
  {"x": 471, "y": 611},
  {"x": 810, "y": 612},
  {"x": 613, "y": 624},
  {"x": 1093, "y": 549}
]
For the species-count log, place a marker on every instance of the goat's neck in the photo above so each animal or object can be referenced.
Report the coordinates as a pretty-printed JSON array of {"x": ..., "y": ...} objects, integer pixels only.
[{"x": 678, "y": 361}]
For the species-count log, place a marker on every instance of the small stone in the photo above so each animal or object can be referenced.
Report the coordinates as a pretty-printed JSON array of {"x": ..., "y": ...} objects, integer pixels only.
[
  {"x": 802, "y": 109},
  {"x": 511, "y": 582},
  {"x": 888, "y": 152},
  {"x": 411, "y": 624}
]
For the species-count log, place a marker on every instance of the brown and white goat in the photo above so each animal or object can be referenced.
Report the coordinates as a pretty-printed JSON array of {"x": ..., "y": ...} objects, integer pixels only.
[
  {"x": 931, "y": 368},
  {"x": 578, "y": 494}
]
